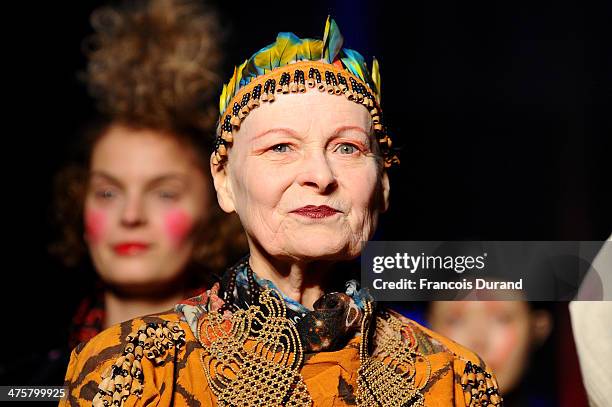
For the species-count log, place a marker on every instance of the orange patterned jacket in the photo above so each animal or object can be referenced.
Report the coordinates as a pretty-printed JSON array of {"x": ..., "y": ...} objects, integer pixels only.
[{"x": 446, "y": 373}]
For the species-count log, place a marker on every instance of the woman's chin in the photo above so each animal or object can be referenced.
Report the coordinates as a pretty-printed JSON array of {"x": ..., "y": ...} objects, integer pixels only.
[
  {"x": 137, "y": 276},
  {"x": 320, "y": 249}
]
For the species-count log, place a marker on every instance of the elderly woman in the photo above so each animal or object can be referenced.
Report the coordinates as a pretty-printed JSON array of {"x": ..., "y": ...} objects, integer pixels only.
[{"x": 301, "y": 156}]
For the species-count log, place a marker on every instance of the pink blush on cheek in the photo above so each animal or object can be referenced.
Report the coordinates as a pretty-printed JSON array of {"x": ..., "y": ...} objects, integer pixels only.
[
  {"x": 178, "y": 225},
  {"x": 505, "y": 346},
  {"x": 95, "y": 225}
]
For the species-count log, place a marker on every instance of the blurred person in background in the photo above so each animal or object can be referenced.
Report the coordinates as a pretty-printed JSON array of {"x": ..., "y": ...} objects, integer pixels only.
[
  {"x": 504, "y": 334},
  {"x": 139, "y": 207},
  {"x": 591, "y": 328}
]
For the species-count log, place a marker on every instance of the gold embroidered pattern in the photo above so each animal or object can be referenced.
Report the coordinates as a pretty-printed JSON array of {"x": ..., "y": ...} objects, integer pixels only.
[
  {"x": 387, "y": 378},
  {"x": 254, "y": 358},
  {"x": 124, "y": 377}
]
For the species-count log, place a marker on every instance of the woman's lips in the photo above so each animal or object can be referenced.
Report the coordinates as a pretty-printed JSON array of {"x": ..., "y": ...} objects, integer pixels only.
[
  {"x": 130, "y": 248},
  {"x": 316, "y": 212}
]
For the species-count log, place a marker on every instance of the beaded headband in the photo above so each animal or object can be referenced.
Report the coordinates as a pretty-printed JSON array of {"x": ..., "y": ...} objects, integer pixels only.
[{"x": 293, "y": 65}]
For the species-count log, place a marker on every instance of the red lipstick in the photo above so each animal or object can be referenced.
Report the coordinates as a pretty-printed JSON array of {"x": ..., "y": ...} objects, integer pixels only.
[
  {"x": 130, "y": 248},
  {"x": 316, "y": 212}
]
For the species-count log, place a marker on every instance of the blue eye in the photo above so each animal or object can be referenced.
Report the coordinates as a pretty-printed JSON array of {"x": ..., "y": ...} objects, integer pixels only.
[
  {"x": 167, "y": 195},
  {"x": 105, "y": 194},
  {"x": 345, "y": 148},
  {"x": 280, "y": 148}
]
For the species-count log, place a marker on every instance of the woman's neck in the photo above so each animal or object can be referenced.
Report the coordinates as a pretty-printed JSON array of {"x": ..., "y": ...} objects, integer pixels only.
[
  {"x": 119, "y": 308},
  {"x": 303, "y": 282}
]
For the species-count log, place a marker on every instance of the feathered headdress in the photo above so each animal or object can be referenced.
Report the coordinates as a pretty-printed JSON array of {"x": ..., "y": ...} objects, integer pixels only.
[{"x": 292, "y": 64}]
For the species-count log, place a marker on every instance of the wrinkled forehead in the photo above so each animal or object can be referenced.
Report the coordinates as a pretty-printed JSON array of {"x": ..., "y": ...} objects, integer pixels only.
[{"x": 311, "y": 114}]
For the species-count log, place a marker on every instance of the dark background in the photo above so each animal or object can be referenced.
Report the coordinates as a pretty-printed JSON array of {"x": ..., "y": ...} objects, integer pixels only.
[{"x": 502, "y": 109}]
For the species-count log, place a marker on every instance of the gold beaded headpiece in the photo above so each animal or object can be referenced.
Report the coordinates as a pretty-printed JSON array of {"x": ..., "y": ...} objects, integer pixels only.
[{"x": 293, "y": 65}]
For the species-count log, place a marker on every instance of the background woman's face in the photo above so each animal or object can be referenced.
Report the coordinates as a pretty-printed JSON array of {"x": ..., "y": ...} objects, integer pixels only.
[
  {"x": 146, "y": 194},
  {"x": 498, "y": 331},
  {"x": 302, "y": 176}
]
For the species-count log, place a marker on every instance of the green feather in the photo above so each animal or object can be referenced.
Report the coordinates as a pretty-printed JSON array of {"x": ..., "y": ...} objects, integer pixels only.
[
  {"x": 239, "y": 75},
  {"x": 310, "y": 50},
  {"x": 284, "y": 49},
  {"x": 355, "y": 63},
  {"x": 261, "y": 62},
  {"x": 332, "y": 40}
]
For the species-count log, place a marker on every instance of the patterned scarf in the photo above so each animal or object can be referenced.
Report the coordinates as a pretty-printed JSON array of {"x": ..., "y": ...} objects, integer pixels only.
[{"x": 335, "y": 318}]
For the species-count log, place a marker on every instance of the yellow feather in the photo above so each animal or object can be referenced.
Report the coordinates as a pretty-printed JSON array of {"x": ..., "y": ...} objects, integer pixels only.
[
  {"x": 229, "y": 90},
  {"x": 284, "y": 49},
  {"x": 222, "y": 101},
  {"x": 376, "y": 78},
  {"x": 327, "y": 26},
  {"x": 239, "y": 74},
  {"x": 310, "y": 50},
  {"x": 332, "y": 40},
  {"x": 262, "y": 62}
]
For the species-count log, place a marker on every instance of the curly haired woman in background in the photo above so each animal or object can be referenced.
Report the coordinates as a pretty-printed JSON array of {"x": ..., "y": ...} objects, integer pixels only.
[{"x": 139, "y": 205}]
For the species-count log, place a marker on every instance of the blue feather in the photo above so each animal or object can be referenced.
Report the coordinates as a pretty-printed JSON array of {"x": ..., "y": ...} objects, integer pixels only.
[{"x": 332, "y": 40}]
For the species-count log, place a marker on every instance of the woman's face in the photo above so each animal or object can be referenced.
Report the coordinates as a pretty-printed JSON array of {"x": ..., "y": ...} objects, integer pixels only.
[
  {"x": 499, "y": 331},
  {"x": 146, "y": 194},
  {"x": 303, "y": 177}
]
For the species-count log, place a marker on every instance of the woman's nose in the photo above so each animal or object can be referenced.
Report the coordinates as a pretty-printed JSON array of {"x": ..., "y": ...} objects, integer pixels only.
[
  {"x": 133, "y": 213},
  {"x": 476, "y": 340},
  {"x": 316, "y": 173}
]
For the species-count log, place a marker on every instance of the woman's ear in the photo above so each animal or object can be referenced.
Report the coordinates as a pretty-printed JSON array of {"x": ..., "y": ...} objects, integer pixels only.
[
  {"x": 222, "y": 183},
  {"x": 541, "y": 325},
  {"x": 385, "y": 191}
]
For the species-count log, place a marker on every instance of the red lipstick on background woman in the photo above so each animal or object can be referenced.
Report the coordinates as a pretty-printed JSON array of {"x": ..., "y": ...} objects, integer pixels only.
[{"x": 130, "y": 248}]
